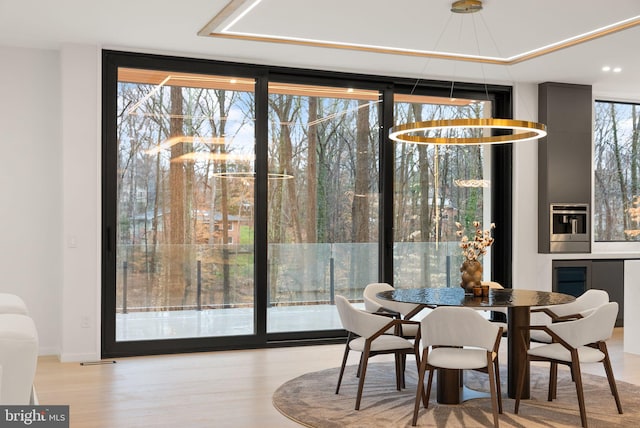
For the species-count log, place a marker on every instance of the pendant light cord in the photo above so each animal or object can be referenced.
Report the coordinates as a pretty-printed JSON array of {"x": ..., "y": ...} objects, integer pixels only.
[{"x": 435, "y": 49}]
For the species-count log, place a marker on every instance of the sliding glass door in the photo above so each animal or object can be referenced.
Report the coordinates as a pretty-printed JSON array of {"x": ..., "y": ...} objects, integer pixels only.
[
  {"x": 239, "y": 200},
  {"x": 188, "y": 215}
]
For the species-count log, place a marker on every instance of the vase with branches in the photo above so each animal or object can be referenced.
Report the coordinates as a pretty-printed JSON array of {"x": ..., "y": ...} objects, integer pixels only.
[{"x": 473, "y": 247}]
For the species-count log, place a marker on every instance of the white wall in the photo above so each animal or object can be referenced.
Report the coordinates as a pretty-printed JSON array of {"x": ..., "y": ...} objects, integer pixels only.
[
  {"x": 530, "y": 269},
  {"x": 81, "y": 224},
  {"x": 31, "y": 186},
  {"x": 50, "y": 187}
]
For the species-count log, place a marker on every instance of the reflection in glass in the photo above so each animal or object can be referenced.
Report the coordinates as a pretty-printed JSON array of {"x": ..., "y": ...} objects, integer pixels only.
[
  {"x": 184, "y": 233},
  {"x": 432, "y": 193},
  {"x": 323, "y": 222}
]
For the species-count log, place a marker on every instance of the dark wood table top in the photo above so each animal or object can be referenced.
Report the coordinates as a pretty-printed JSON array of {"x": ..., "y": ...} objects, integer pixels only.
[{"x": 455, "y": 296}]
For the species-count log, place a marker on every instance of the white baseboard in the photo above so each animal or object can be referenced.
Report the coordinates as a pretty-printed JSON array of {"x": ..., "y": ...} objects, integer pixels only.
[{"x": 78, "y": 358}]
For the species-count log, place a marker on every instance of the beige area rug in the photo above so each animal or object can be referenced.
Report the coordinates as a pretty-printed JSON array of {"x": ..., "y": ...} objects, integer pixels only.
[{"x": 311, "y": 401}]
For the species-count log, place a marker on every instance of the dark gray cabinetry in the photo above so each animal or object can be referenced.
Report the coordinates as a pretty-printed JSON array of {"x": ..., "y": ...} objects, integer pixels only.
[
  {"x": 608, "y": 275},
  {"x": 576, "y": 276},
  {"x": 564, "y": 156}
]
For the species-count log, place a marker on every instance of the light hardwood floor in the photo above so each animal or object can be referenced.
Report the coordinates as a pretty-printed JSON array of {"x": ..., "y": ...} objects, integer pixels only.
[{"x": 214, "y": 389}]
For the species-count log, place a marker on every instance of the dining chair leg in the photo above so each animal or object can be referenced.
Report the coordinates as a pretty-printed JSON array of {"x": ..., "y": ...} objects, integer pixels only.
[
  {"x": 553, "y": 381},
  {"x": 492, "y": 389},
  {"x": 520, "y": 384},
  {"x": 360, "y": 365},
  {"x": 498, "y": 386},
  {"x": 365, "y": 360},
  {"x": 419, "y": 390},
  {"x": 429, "y": 383},
  {"x": 344, "y": 363},
  {"x": 398, "y": 361},
  {"x": 612, "y": 381},
  {"x": 577, "y": 377},
  {"x": 404, "y": 366}
]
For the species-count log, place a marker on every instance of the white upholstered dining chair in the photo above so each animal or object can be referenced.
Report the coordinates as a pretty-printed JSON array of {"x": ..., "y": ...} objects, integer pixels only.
[
  {"x": 378, "y": 306},
  {"x": 584, "y": 305},
  {"x": 575, "y": 342},
  {"x": 368, "y": 335},
  {"x": 375, "y": 305},
  {"x": 459, "y": 338}
]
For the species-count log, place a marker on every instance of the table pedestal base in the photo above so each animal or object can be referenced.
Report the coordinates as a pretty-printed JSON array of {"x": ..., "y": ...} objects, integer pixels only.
[
  {"x": 518, "y": 343},
  {"x": 449, "y": 386},
  {"x": 450, "y": 389}
]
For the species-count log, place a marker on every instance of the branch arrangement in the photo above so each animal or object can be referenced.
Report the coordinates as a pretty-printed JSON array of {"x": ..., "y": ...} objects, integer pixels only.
[{"x": 473, "y": 248}]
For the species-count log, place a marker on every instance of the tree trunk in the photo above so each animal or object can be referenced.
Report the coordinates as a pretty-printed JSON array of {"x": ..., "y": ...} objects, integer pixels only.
[
  {"x": 224, "y": 206},
  {"x": 635, "y": 142},
  {"x": 360, "y": 205},
  {"x": 177, "y": 217},
  {"x": 311, "y": 257},
  {"x": 312, "y": 174},
  {"x": 620, "y": 170}
]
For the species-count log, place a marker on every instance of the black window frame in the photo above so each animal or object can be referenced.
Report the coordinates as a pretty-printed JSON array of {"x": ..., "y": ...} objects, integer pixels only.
[{"x": 501, "y": 175}]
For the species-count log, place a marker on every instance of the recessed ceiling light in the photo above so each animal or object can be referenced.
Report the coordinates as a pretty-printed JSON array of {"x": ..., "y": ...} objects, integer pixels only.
[{"x": 607, "y": 68}]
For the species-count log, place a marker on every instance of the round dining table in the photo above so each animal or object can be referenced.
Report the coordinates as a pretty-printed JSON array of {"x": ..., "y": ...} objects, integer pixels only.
[{"x": 518, "y": 303}]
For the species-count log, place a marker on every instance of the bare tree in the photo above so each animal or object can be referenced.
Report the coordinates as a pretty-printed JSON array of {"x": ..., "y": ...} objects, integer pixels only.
[{"x": 360, "y": 210}]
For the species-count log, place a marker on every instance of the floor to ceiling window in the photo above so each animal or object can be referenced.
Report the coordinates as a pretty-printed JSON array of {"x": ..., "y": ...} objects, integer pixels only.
[{"x": 239, "y": 200}]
